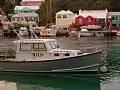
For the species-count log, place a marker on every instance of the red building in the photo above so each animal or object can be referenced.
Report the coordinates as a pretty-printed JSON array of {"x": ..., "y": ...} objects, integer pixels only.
[
  {"x": 84, "y": 21},
  {"x": 80, "y": 21},
  {"x": 90, "y": 21},
  {"x": 91, "y": 17},
  {"x": 31, "y": 2}
]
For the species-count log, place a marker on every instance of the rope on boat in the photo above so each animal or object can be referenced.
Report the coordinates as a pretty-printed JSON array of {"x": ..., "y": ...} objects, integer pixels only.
[{"x": 12, "y": 25}]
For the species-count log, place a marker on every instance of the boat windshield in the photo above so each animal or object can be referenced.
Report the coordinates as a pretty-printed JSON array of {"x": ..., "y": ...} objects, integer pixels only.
[{"x": 52, "y": 45}]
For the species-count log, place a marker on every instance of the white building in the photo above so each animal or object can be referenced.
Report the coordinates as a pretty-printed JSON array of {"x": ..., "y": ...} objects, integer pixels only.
[
  {"x": 24, "y": 17},
  {"x": 64, "y": 19}
]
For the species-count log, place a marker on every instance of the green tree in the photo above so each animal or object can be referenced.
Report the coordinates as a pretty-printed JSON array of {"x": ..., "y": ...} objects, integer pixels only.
[{"x": 42, "y": 14}]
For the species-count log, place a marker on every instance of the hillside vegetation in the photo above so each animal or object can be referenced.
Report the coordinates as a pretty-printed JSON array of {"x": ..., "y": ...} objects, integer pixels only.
[{"x": 73, "y": 5}]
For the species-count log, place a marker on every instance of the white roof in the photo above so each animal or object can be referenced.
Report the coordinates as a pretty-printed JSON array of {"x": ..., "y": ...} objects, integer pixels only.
[
  {"x": 34, "y": 40},
  {"x": 94, "y": 13},
  {"x": 91, "y": 27},
  {"x": 69, "y": 12},
  {"x": 23, "y": 28},
  {"x": 33, "y": 0},
  {"x": 25, "y": 15},
  {"x": 30, "y": 7},
  {"x": 65, "y": 12},
  {"x": 114, "y": 13},
  {"x": 84, "y": 30}
]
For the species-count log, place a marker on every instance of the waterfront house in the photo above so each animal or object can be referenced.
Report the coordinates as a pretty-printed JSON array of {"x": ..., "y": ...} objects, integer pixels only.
[
  {"x": 64, "y": 19},
  {"x": 22, "y": 9},
  {"x": 24, "y": 18},
  {"x": 31, "y": 2},
  {"x": 114, "y": 20},
  {"x": 91, "y": 17}
]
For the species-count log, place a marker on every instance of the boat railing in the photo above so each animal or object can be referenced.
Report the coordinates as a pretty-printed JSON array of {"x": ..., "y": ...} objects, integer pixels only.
[
  {"x": 91, "y": 49},
  {"x": 7, "y": 51}
]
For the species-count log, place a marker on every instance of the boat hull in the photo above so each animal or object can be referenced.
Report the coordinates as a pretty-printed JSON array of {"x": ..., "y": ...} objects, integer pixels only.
[{"x": 89, "y": 62}]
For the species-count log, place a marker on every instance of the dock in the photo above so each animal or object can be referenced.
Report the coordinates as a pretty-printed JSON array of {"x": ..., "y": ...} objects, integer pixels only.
[{"x": 106, "y": 32}]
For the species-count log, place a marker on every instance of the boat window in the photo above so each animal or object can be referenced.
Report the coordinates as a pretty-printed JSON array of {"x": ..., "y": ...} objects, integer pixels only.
[
  {"x": 56, "y": 45},
  {"x": 67, "y": 54},
  {"x": 48, "y": 46},
  {"x": 52, "y": 45},
  {"x": 39, "y": 47},
  {"x": 56, "y": 54},
  {"x": 25, "y": 47}
]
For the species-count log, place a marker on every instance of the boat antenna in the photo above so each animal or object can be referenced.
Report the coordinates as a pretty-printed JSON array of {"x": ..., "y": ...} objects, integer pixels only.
[{"x": 12, "y": 24}]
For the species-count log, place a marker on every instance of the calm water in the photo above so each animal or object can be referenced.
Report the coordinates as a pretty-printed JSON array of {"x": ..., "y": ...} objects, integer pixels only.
[{"x": 106, "y": 81}]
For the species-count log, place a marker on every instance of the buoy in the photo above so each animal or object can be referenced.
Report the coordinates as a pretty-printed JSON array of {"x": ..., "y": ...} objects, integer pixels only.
[{"x": 103, "y": 69}]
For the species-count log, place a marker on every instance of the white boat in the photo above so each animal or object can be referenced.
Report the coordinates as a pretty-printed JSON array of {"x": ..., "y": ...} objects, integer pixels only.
[
  {"x": 37, "y": 29},
  {"x": 48, "y": 31},
  {"x": 73, "y": 34},
  {"x": 85, "y": 33},
  {"x": 45, "y": 55},
  {"x": 118, "y": 33},
  {"x": 23, "y": 31},
  {"x": 93, "y": 27},
  {"x": 99, "y": 34}
]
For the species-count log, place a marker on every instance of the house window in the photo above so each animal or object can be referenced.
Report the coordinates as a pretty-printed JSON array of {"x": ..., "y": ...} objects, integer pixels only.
[
  {"x": 22, "y": 19},
  {"x": 18, "y": 19},
  {"x": 80, "y": 21},
  {"x": 25, "y": 18},
  {"x": 89, "y": 19},
  {"x": 13, "y": 19},
  {"x": 64, "y": 16},
  {"x": 39, "y": 47},
  {"x": 114, "y": 24},
  {"x": 25, "y": 47},
  {"x": 59, "y": 16},
  {"x": 114, "y": 18}
]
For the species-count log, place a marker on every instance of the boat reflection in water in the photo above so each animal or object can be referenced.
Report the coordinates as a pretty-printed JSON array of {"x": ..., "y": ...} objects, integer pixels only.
[{"x": 49, "y": 82}]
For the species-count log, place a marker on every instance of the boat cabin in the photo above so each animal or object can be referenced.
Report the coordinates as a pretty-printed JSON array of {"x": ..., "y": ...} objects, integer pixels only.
[
  {"x": 23, "y": 31},
  {"x": 41, "y": 49},
  {"x": 48, "y": 32}
]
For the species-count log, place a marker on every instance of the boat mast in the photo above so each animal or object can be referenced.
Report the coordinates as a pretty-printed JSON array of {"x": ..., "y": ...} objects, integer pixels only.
[
  {"x": 12, "y": 24},
  {"x": 48, "y": 11}
]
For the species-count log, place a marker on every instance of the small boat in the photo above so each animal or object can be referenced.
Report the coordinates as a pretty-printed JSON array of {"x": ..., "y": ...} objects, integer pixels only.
[
  {"x": 99, "y": 34},
  {"x": 23, "y": 31},
  {"x": 85, "y": 33},
  {"x": 118, "y": 34},
  {"x": 73, "y": 34},
  {"x": 49, "y": 31},
  {"x": 92, "y": 27},
  {"x": 36, "y": 30},
  {"x": 45, "y": 56}
]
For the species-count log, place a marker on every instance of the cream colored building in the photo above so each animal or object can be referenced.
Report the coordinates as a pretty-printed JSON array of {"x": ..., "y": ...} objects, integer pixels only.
[{"x": 64, "y": 19}]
